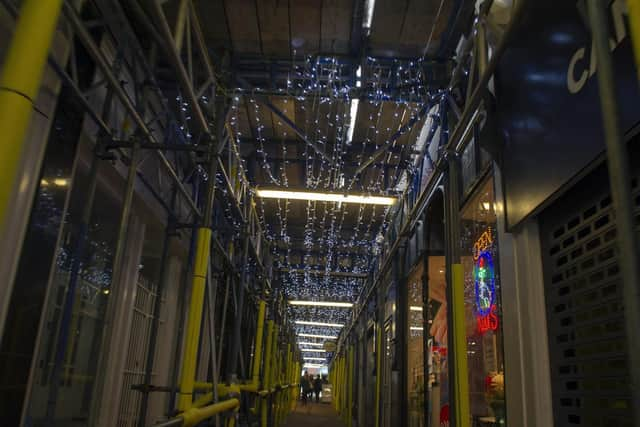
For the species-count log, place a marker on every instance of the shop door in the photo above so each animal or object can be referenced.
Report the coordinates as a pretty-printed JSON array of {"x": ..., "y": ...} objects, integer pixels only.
[{"x": 585, "y": 317}]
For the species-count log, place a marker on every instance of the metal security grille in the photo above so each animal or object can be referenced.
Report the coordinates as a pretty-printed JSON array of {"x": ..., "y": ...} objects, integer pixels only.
[
  {"x": 131, "y": 400},
  {"x": 585, "y": 316}
]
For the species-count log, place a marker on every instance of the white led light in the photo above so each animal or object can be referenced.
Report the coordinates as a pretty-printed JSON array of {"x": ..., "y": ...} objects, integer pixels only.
[
  {"x": 415, "y": 308},
  {"x": 316, "y": 350},
  {"x": 329, "y": 325},
  {"x": 322, "y": 303},
  {"x": 353, "y": 114},
  {"x": 416, "y": 328},
  {"x": 368, "y": 16},
  {"x": 313, "y": 365},
  {"x": 358, "y": 77},
  {"x": 311, "y": 343},
  {"x": 314, "y": 358},
  {"x": 326, "y": 197},
  {"x": 328, "y": 337}
]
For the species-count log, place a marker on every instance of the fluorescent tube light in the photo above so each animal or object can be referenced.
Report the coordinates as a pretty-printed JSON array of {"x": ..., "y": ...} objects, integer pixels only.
[
  {"x": 330, "y": 325},
  {"x": 326, "y": 197},
  {"x": 322, "y": 303},
  {"x": 415, "y": 308},
  {"x": 328, "y": 337},
  {"x": 311, "y": 343},
  {"x": 313, "y": 365},
  {"x": 314, "y": 358},
  {"x": 416, "y": 328},
  {"x": 316, "y": 350},
  {"x": 353, "y": 114},
  {"x": 368, "y": 15}
]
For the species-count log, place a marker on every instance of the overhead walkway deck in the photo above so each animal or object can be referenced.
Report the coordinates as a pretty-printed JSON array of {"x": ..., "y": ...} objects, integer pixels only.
[{"x": 314, "y": 415}]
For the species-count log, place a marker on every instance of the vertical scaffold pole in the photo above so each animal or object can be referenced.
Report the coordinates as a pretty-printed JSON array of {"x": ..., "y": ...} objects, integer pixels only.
[
  {"x": 200, "y": 267},
  {"x": 19, "y": 84},
  {"x": 623, "y": 204}
]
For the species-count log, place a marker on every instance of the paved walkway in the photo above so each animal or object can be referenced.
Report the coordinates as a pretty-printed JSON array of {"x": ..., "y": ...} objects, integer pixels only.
[{"x": 314, "y": 415}]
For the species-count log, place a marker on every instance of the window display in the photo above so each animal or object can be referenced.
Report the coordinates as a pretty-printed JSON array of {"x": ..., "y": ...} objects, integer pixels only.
[{"x": 483, "y": 307}]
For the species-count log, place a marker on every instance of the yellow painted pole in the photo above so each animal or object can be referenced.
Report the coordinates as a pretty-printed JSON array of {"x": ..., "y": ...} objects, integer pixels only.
[
  {"x": 19, "y": 84},
  {"x": 194, "y": 320},
  {"x": 266, "y": 384},
  {"x": 193, "y": 416},
  {"x": 257, "y": 354},
  {"x": 461, "y": 385},
  {"x": 350, "y": 389},
  {"x": 634, "y": 23},
  {"x": 378, "y": 373}
]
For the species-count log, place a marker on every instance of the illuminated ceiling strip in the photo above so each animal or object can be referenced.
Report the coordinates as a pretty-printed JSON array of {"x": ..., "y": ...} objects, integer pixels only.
[
  {"x": 325, "y": 197},
  {"x": 317, "y": 350},
  {"x": 322, "y": 303},
  {"x": 329, "y": 337},
  {"x": 416, "y": 328},
  {"x": 311, "y": 343},
  {"x": 329, "y": 325},
  {"x": 313, "y": 365},
  {"x": 415, "y": 308},
  {"x": 314, "y": 358}
]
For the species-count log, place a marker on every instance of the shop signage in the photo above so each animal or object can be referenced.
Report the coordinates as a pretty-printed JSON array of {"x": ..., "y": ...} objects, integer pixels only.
[
  {"x": 485, "y": 284},
  {"x": 329, "y": 346},
  {"x": 548, "y": 103}
]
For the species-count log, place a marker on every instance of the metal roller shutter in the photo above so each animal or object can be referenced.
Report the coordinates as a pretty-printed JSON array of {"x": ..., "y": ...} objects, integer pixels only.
[{"x": 585, "y": 316}]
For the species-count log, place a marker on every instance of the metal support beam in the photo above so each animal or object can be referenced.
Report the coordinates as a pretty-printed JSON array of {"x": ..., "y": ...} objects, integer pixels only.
[
  {"x": 94, "y": 51},
  {"x": 384, "y": 148},
  {"x": 623, "y": 203}
]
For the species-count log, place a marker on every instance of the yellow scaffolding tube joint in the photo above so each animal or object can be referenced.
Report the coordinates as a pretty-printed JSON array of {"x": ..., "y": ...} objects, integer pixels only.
[
  {"x": 193, "y": 416},
  {"x": 19, "y": 84},
  {"x": 189, "y": 360}
]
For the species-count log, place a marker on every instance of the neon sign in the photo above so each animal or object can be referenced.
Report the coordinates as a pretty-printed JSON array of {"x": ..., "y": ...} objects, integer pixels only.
[{"x": 485, "y": 287}]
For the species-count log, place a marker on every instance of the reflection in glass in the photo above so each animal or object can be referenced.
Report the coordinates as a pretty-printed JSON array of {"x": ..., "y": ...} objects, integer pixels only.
[
  {"x": 67, "y": 362},
  {"x": 483, "y": 308}
]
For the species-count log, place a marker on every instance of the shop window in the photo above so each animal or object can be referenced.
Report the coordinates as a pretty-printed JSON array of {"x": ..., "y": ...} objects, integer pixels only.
[
  {"x": 415, "y": 347},
  {"x": 72, "y": 337},
  {"x": 483, "y": 307}
]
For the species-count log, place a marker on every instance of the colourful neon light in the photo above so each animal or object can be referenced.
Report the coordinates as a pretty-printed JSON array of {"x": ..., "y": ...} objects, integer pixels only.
[{"x": 485, "y": 289}]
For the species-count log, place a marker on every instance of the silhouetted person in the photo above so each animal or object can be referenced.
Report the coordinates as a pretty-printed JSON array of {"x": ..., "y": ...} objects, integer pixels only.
[
  {"x": 305, "y": 384},
  {"x": 317, "y": 387}
]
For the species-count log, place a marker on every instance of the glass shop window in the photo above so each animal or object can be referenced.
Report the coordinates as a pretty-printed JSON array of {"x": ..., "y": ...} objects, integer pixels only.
[
  {"x": 483, "y": 308},
  {"x": 437, "y": 354},
  {"x": 436, "y": 382},
  {"x": 66, "y": 373},
  {"x": 415, "y": 347}
]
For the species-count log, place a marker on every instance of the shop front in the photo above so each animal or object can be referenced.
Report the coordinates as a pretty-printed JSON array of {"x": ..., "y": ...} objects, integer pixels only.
[{"x": 483, "y": 306}]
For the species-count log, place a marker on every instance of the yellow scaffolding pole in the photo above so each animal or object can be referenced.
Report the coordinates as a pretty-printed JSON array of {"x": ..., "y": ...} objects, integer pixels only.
[
  {"x": 350, "y": 388},
  {"x": 19, "y": 84},
  {"x": 189, "y": 360},
  {"x": 461, "y": 385},
  {"x": 257, "y": 358},
  {"x": 634, "y": 23},
  {"x": 264, "y": 408}
]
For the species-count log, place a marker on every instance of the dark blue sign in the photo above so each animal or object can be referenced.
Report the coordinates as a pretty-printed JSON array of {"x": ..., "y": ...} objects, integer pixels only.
[{"x": 548, "y": 100}]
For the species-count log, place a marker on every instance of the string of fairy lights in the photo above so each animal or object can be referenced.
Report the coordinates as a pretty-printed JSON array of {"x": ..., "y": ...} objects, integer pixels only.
[{"x": 319, "y": 95}]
